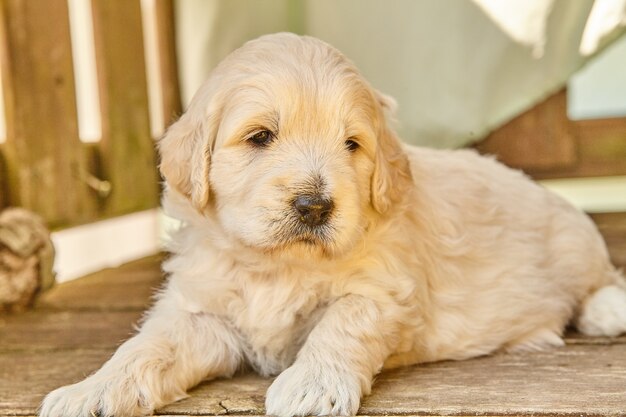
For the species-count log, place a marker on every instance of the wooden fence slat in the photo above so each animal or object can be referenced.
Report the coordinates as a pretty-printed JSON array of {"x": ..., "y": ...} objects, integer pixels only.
[
  {"x": 166, "y": 41},
  {"x": 127, "y": 149},
  {"x": 4, "y": 190},
  {"x": 546, "y": 144},
  {"x": 601, "y": 149},
  {"x": 43, "y": 155},
  {"x": 538, "y": 139}
]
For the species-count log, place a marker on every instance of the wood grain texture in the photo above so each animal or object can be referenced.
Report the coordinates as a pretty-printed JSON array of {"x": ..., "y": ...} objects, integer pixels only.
[
  {"x": 4, "y": 185},
  {"x": 573, "y": 380},
  {"x": 601, "y": 148},
  {"x": 544, "y": 143},
  {"x": 612, "y": 226},
  {"x": 43, "y": 155},
  {"x": 538, "y": 139},
  {"x": 45, "y": 330},
  {"x": 26, "y": 377},
  {"x": 168, "y": 69},
  {"x": 127, "y": 153},
  {"x": 243, "y": 394},
  {"x": 129, "y": 287}
]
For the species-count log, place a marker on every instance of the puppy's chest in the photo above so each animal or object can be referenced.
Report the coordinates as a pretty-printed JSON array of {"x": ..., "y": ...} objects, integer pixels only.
[{"x": 274, "y": 319}]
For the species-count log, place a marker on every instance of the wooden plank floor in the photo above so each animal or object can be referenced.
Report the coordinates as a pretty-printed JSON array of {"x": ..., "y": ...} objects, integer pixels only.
[{"x": 76, "y": 326}]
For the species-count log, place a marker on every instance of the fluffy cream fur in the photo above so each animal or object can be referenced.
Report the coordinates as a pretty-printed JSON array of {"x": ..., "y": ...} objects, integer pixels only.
[{"x": 427, "y": 255}]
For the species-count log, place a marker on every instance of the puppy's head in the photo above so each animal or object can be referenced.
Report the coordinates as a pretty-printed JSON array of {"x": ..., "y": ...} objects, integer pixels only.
[{"x": 288, "y": 146}]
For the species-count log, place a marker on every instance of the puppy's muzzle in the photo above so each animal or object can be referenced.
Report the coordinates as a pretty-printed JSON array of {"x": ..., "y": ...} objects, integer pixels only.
[{"x": 313, "y": 210}]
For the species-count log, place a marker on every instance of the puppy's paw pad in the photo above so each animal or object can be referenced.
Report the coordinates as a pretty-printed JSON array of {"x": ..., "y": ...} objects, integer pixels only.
[{"x": 306, "y": 390}]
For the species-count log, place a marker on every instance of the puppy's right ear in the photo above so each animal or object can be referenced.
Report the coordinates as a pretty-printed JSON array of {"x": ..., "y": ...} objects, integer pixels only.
[
  {"x": 392, "y": 173},
  {"x": 185, "y": 151}
]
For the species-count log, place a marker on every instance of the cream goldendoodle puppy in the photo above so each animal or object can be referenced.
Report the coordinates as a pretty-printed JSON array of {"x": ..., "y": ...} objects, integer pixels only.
[{"x": 318, "y": 248}]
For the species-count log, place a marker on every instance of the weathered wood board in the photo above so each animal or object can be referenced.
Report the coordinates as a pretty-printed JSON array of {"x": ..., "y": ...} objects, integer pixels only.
[
  {"x": 128, "y": 158},
  {"x": 581, "y": 379},
  {"x": 59, "y": 330},
  {"x": 545, "y": 143},
  {"x": 26, "y": 377},
  {"x": 612, "y": 226},
  {"x": 128, "y": 288}
]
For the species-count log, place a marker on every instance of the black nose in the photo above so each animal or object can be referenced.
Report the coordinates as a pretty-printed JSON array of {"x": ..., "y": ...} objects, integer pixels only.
[{"x": 313, "y": 209}]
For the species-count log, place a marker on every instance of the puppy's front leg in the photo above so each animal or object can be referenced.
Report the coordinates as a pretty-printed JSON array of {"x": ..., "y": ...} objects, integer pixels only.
[
  {"x": 336, "y": 365},
  {"x": 174, "y": 350}
]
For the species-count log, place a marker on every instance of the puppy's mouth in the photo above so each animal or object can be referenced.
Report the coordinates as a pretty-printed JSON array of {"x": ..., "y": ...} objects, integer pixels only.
[
  {"x": 317, "y": 236},
  {"x": 292, "y": 231}
]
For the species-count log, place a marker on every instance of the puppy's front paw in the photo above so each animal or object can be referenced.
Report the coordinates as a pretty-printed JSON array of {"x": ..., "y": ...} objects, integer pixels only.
[
  {"x": 96, "y": 396},
  {"x": 303, "y": 390}
]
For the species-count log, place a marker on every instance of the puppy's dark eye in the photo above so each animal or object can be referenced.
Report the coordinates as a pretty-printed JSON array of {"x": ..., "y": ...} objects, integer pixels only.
[
  {"x": 262, "y": 138},
  {"x": 352, "y": 145}
]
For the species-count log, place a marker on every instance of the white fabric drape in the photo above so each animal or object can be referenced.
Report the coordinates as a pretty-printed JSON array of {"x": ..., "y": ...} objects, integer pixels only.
[
  {"x": 525, "y": 21},
  {"x": 605, "y": 21}
]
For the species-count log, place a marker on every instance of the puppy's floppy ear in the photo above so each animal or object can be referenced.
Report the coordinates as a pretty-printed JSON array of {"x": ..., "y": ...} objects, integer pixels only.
[
  {"x": 185, "y": 151},
  {"x": 392, "y": 173}
]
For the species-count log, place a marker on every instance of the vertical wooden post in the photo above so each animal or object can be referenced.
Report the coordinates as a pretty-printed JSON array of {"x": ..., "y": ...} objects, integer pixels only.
[
  {"x": 4, "y": 189},
  {"x": 127, "y": 149},
  {"x": 166, "y": 41},
  {"x": 44, "y": 157}
]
